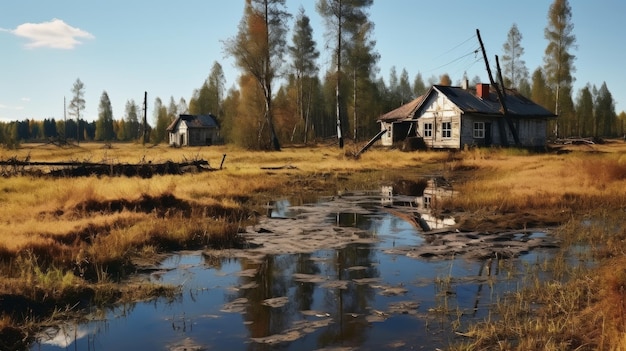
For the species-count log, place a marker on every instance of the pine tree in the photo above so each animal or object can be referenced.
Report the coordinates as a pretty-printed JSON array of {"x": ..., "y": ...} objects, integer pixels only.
[
  {"x": 558, "y": 60},
  {"x": 104, "y": 124},
  {"x": 303, "y": 55},
  {"x": 513, "y": 67},
  {"x": 342, "y": 18},
  {"x": 419, "y": 88},
  {"x": 584, "y": 112},
  {"x": 606, "y": 118}
]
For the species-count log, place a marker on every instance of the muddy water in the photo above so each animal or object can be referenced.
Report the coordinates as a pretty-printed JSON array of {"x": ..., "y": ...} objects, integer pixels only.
[{"x": 352, "y": 272}]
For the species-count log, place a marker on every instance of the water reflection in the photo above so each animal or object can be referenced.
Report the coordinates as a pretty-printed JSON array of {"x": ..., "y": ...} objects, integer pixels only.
[
  {"x": 422, "y": 204},
  {"x": 337, "y": 273}
]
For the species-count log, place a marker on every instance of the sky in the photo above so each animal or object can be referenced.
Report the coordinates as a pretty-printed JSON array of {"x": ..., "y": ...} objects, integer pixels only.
[{"x": 167, "y": 48}]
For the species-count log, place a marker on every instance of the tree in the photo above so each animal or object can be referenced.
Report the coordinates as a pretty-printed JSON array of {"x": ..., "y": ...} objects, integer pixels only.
[
  {"x": 513, "y": 67},
  {"x": 584, "y": 112},
  {"x": 558, "y": 61},
  {"x": 404, "y": 88},
  {"x": 258, "y": 48},
  {"x": 393, "y": 87},
  {"x": 215, "y": 85},
  {"x": 104, "y": 124},
  {"x": 445, "y": 80},
  {"x": 419, "y": 88},
  {"x": 303, "y": 55},
  {"x": 161, "y": 122},
  {"x": 361, "y": 60},
  {"x": 540, "y": 92},
  {"x": 341, "y": 18},
  {"x": 77, "y": 104},
  {"x": 622, "y": 124},
  {"x": 606, "y": 118},
  {"x": 131, "y": 125}
]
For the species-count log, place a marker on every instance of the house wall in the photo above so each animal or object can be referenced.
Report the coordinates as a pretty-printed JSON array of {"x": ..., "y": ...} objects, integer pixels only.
[
  {"x": 179, "y": 136},
  {"x": 438, "y": 111},
  {"x": 531, "y": 132},
  {"x": 387, "y": 138},
  {"x": 202, "y": 137}
]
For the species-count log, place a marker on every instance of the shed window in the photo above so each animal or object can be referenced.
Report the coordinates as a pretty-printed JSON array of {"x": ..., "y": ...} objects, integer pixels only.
[
  {"x": 479, "y": 130},
  {"x": 428, "y": 130},
  {"x": 446, "y": 129}
]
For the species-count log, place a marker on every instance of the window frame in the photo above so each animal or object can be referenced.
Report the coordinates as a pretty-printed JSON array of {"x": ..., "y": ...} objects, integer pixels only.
[
  {"x": 479, "y": 130},
  {"x": 428, "y": 130},
  {"x": 446, "y": 130}
]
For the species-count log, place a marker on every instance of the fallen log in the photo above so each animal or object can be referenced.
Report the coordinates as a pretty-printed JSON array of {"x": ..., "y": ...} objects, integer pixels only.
[{"x": 13, "y": 167}]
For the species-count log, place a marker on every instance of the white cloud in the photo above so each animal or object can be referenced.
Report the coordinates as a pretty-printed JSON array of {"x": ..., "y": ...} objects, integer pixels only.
[
  {"x": 25, "y": 99},
  {"x": 55, "y": 34}
]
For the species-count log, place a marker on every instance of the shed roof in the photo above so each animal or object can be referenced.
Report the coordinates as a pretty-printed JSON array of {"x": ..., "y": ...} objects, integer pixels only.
[
  {"x": 194, "y": 121},
  {"x": 406, "y": 111}
]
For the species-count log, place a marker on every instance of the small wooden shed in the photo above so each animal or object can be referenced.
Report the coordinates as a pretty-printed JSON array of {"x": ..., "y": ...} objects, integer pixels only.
[
  {"x": 194, "y": 130},
  {"x": 453, "y": 117}
]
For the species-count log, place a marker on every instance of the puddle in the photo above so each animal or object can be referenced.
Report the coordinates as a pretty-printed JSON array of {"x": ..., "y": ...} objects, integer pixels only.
[{"x": 352, "y": 272}]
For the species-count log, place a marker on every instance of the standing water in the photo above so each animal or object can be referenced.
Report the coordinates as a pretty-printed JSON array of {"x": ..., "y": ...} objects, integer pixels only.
[{"x": 364, "y": 271}]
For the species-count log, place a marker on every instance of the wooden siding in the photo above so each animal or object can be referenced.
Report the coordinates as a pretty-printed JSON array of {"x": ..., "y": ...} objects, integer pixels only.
[
  {"x": 185, "y": 136},
  {"x": 437, "y": 111}
]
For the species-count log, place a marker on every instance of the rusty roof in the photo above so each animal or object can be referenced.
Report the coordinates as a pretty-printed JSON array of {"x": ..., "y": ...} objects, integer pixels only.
[{"x": 406, "y": 111}]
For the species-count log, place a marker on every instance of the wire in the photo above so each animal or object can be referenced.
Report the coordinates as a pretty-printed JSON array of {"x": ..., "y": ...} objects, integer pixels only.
[
  {"x": 473, "y": 52},
  {"x": 455, "y": 47}
]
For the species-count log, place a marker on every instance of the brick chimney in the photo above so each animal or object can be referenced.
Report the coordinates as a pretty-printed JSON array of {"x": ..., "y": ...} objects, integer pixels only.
[{"x": 482, "y": 90}]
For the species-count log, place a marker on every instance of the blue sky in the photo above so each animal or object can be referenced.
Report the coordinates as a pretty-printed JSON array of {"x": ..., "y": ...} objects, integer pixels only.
[{"x": 167, "y": 48}]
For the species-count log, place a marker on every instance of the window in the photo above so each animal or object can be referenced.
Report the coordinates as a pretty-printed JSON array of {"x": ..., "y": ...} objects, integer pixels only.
[
  {"x": 446, "y": 129},
  {"x": 428, "y": 130},
  {"x": 479, "y": 130}
]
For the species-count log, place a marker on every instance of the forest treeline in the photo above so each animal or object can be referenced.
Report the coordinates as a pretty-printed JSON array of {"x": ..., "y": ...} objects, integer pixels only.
[{"x": 281, "y": 96}]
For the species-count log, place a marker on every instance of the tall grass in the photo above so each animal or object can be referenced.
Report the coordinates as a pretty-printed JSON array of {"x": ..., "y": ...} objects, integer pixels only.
[{"x": 89, "y": 232}]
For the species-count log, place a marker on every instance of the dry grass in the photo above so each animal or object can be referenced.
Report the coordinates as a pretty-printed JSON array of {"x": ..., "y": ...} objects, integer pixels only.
[
  {"x": 62, "y": 233},
  {"x": 88, "y": 232}
]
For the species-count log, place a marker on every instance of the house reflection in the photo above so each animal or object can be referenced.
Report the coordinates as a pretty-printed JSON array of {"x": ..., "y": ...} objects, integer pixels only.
[{"x": 420, "y": 208}]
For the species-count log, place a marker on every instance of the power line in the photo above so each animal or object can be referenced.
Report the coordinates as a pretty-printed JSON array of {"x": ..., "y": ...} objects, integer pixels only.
[
  {"x": 473, "y": 52},
  {"x": 456, "y": 46}
]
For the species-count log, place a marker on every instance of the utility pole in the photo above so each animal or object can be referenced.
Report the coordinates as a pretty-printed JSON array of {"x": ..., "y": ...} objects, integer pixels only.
[
  {"x": 145, "y": 118},
  {"x": 501, "y": 95},
  {"x": 64, "y": 121}
]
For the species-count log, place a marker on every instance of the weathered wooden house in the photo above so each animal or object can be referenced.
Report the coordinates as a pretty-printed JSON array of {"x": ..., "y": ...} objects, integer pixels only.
[
  {"x": 194, "y": 130},
  {"x": 453, "y": 117}
]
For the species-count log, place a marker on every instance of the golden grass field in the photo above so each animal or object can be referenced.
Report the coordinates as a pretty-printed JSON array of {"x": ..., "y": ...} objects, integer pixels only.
[{"x": 67, "y": 236}]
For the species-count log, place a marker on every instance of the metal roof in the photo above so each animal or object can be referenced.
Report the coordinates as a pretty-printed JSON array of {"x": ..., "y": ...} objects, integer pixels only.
[
  {"x": 517, "y": 105},
  {"x": 195, "y": 121},
  {"x": 468, "y": 102}
]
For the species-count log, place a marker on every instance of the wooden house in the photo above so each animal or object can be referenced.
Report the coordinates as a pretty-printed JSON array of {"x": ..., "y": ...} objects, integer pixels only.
[
  {"x": 452, "y": 117},
  {"x": 194, "y": 130}
]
